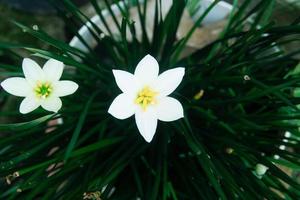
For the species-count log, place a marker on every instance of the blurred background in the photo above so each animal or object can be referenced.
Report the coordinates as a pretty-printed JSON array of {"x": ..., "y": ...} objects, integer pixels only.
[{"x": 40, "y": 14}]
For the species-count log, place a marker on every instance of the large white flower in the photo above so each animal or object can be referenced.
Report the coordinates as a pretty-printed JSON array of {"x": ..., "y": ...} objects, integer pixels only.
[
  {"x": 145, "y": 95},
  {"x": 41, "y": 86}
]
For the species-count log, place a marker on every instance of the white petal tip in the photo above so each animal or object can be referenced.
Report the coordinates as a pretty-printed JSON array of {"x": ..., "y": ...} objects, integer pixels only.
[
  {"x": 65, "y": 88},
  {"x": 3, "y": 83},
  {"x": 23, "y": 112},
  {"x": 148, "y": 55},
  {"x": 57, "y": 108},
  {"x": 175, "y": 118},
  {"x": 55, "y": 111},
  {"x": 53, "y": 104},
  {"x": 111, "y": 112},
  {"x": 182, "y": 69},
  {"x": 27, "y": 59},
  {"x": 115, "y": 71},
  {"x": 52, "y": 110},
  {"x": 148, "y": 140},
  {"x": 76, "y": 86},
  {"x": 116, "y": 115},
  {"x": 73, "y": 89}
]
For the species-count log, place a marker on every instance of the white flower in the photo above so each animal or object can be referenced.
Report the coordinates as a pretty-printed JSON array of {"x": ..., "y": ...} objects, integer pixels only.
[
  {"x": 260, "y": 170},
  {"x": 145, "y": 95},
  {"x": 41, "y": 86}
]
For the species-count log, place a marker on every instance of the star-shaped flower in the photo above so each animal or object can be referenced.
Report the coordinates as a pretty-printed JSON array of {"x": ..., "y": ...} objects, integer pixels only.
[
  {"x": 145, "y": 95},
  {"x": 41, "y": 86}
]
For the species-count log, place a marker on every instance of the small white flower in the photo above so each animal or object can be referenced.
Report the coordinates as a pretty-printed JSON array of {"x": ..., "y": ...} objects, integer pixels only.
[
  {"x": 260, "y": 170},
  {"x": 145, "y": 95},
  {"x": 41, "y": 86}
]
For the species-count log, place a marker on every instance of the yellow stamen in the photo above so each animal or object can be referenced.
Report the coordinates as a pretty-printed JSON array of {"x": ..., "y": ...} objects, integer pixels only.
[
  {"x": 43, "y": 90},
  {"x": 146, "y": 97}
]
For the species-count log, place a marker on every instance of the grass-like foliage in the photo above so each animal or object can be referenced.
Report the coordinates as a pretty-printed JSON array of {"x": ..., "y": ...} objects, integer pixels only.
[{"x": 249, "y": 102}]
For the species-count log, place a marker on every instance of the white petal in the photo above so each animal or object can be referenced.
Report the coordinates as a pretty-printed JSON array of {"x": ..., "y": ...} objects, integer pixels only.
[
  {"x": 17, "y": 86},
  {"x": 28, "y": 105},
  {"x": 32, "y": 71},
  {"x": 147, "y": 70},
  {"x": 169, "y": 109},
  {"x": 52, "y": 104},
  {"x": 168, "y": 81},
  {"x": 146, "y": 122},
  {"x": 64, "y": 88},
  {"x": 53, "y": 70},
  {"x": 122, "y": 107},
  {"x": 125, "y": 81}
]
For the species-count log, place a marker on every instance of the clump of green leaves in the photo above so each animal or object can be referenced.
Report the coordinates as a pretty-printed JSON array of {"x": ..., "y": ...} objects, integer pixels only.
[{"x": 241, "y": 119}]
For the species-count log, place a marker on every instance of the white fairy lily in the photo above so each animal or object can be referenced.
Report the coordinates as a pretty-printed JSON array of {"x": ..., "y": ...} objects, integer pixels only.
[
  {"x": 41, "y": 86},
  {"x": 145, "y": 95}
]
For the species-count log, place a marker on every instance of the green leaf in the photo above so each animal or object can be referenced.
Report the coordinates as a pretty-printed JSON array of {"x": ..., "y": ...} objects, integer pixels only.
[
  {"x": 78, "y": 128},
  {"x": 25, "y": 125}
]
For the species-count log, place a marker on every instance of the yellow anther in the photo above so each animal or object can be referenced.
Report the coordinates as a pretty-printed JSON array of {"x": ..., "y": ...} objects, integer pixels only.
[
  {"x": 43, "y": 90},
  {"x": 146, "y": 97},
  {"x": 39, "y": 84},
  {"x": 139, "y": 100},
  {"x": 145, "y": 103}
]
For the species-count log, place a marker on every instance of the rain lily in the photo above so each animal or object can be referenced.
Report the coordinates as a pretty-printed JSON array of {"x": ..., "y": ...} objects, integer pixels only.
[
  {"x": 145, "y": 95},
  {"x": 41, "y": 86}
]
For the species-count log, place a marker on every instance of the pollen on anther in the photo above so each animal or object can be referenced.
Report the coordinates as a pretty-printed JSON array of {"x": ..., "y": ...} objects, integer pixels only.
[{"x": 146, "y": 97}]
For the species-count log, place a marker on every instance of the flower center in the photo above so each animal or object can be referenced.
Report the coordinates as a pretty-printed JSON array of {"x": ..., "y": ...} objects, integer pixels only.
[
  {"x": 43, "y": 90},
  {"x": 146, "y": 97}
]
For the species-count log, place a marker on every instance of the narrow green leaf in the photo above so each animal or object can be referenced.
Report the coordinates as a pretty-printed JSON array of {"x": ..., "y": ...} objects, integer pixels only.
[
  {"x": 25, "y": 125},
  {"x": 78, "y": 128}
]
